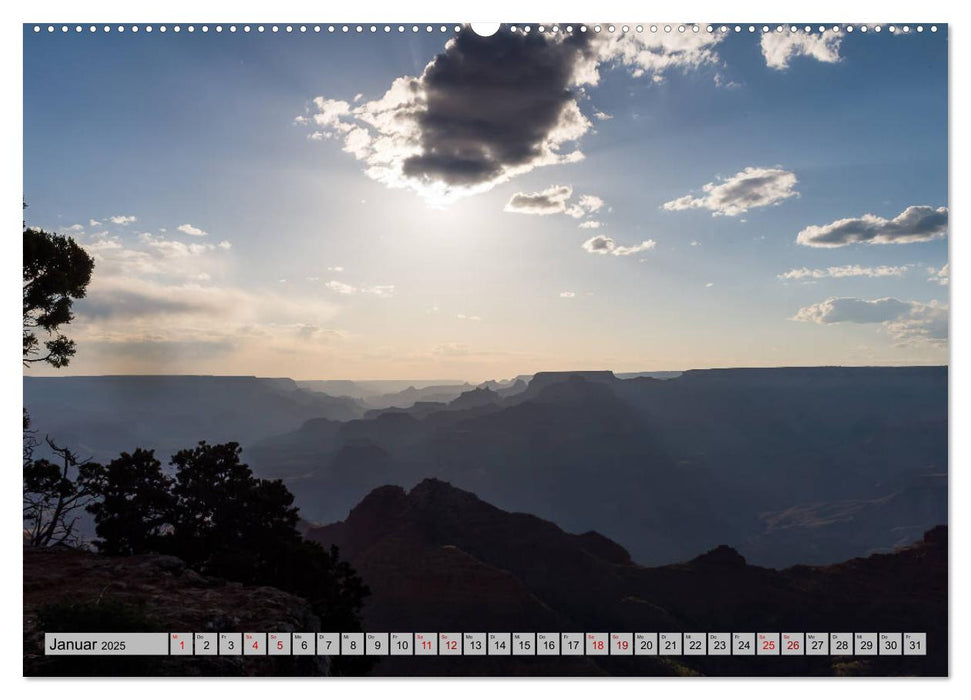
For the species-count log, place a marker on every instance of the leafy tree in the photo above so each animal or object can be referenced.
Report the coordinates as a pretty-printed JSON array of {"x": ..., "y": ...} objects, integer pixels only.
[
  {"x": 135, "y": 503},
  {"x": 56, "y": 272},
  {"x": 222, "y": 521},
  {"x": 224, "y": 518}
]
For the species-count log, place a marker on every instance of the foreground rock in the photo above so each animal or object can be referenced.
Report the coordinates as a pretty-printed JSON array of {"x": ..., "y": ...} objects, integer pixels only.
[{"x": 158, "y": 592}]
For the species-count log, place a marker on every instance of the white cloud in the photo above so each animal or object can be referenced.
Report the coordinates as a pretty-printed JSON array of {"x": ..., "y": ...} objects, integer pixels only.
[
  {"x": 378, "y": 290},
  {"x": 340, "y": 287},
  {"x": 695, "y": 244},
  {"x": 225, "y": 245},
  {"x": 93, "y": 222},
  {"x": 941, "y": 276},
  {"x": 150, "y": 255},
  {"x": 907, "y": 322},
  {"x": 602, "y": 116},
  {"x": 590, "y": 224},
  {"x": 567, "y": 295},
  {"x": 779, "y": 47},
  {"x": 177, "y": 249},
  {"x": 190, "y": 230},
  {"x": 845, "y": 271},
  {"x": 464, "y": 317},
  {"x": 590, "y": 203},
  {"x": 330, "y": 113},
  {"x": 336, "y": 268},
  {"x": 914, "y": 224},
  {"x": 653, "y": 54},
  {"x": 723, "y": 82},
  {"x": 751, "y": 188},
  {"x": 122, "y": 220},
  {"x": 155, "y": 305},
  {"x": 709, "y": 285},
  {"x": 75, "y": 228},
  {"x": 604, "y": 245}
]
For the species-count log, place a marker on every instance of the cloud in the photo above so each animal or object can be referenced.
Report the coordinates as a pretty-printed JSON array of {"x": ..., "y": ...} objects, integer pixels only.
[
  {"x": 379, "y": 290},
  {"x": 590, "y": 203},
  {"x": 155, "y": 304},
  {"x": 550, "y": 201},
  {"x": 653, "y": 54},
  {"x": 554, "y": 200},
  {"x": 751, "y": 188},
  {"x": 114, "y": 300},
  {"x": 779, "y": 47},
  {"x": 603, "y": 245},
  {"x": 178, "y": 249},
  {"x": 603, "y": 116},
  {"x": 190, "y": 230},
  {"x": 485, "y": 110},
  {"x": 465, "y": 317},
  {"x": 695, "y": 244},
  {"x": 567, "y": 295},
  {"x": 845, "y": 271},
  {"x": 93, "y": 222},
  {"x": 122, "y": 220},
  {"x": 151, "y": 255},
  {"x": 913, "y": 225},
  {"x": 590, "y": 224},
  {"x": 340, "y": 287},
  {"x": 906, "y": 321},
  {"x": 723, "y": 82},
  {"x": 941, "y": 276}
]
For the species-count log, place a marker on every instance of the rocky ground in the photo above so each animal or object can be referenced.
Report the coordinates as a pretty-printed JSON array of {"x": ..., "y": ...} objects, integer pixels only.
[{"x": 161, "y": 593}]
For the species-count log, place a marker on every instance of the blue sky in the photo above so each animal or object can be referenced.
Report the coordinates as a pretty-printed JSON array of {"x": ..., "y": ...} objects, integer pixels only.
[{"x": 305, "y": 253}]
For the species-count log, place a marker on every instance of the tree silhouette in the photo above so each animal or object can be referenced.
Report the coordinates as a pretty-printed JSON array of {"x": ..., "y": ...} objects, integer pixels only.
[
  {"x": 56, "y": 271},
  {"x": 135, "y": 503},
  {"x": 54, "y": 494},
  {"x": 224, "y": 522}
]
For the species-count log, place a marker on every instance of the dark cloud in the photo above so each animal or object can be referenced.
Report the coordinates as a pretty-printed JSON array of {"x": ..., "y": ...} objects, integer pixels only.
[
  {"x": 493, "y": 103},
  {"x": 159, "y": 352},
  {"x": 488, "y": 108},
  {"x": 127, "y": 303},
  {"x": 912, "y": 225},
  {"x": 550, "y": 201}
]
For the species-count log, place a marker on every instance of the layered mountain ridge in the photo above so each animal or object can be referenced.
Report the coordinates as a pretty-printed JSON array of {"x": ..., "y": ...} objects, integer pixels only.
[{"x": 440, "y": 558}]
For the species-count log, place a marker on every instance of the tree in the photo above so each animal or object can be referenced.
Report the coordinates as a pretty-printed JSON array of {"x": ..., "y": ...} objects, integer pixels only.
[
  {"x": 135, "y": 505},
  {"x": 224, "y": 522},
  {"x": 56, "y": 272},
  {"x": 54, "y": 494},
  {"x": 225, "y": 519}
]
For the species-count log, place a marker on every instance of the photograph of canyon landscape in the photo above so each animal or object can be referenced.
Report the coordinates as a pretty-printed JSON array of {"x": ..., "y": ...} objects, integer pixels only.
[{"x": 572, "y": 328}]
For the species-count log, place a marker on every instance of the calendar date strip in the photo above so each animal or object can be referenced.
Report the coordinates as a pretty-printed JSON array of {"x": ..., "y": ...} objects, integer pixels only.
[{"x": 487, "y": 644}]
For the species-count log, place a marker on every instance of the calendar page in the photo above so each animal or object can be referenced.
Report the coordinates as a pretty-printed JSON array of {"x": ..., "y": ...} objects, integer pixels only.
[{"x": 448, "y": 349}]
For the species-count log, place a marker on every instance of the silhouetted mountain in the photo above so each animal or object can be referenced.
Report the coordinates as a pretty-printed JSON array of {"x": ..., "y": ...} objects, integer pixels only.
[
  {"x": 383, "y": 392},
  {"x": 788, "y": 465},
  {"x": 101, "y": 416},
  {"x": 652, "y": 375},
  {"x": 440, "y": 558}
]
